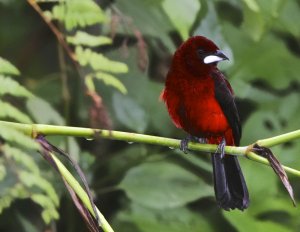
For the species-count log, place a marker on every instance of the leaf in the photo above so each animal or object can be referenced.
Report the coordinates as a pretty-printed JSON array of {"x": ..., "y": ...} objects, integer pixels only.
[
  {"x": 186, "y": 11},
  {"x": 245, "y": 222},
  {"x": 8, "y": 110},
  {"x": 150, "y": 220},
  {"x": 43, "y": 112},
  {"x": 99, "y": 62},
  {"x": 162, "y": 185},
  {"x": 158, "y": 23},
  {"x": 76, "y": 13},
  {"x": 261, "y": 120},
  {"x": 83, "y": 38},
  {"x": 287, "y": 18},
  {"x": 10, "y": 86},
  {"x": 129, "y": 113},
  {"x": 254, "y": 23},
  {"x": 259, "y": 60},
  {"x": 31, "y": 179},
  {"x": 8, "y": 195},
  {"x": 252, "y": 5},
  {"x": 7, "y": 68},
  {"x": 49, "y": 212},
  {"x": 21, "y": 158},
  {"x": 111, "y": 80}
]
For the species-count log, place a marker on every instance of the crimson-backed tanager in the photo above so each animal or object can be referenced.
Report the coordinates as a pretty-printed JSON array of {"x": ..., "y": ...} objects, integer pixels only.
[{"x": 200, "y": 100}]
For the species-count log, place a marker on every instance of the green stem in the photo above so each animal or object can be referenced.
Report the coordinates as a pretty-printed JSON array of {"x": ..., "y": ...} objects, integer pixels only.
[
  {"x": 89, "y": 133},
  {"x": 81, "y": 193},
  {"x": 279, "y": 139}
]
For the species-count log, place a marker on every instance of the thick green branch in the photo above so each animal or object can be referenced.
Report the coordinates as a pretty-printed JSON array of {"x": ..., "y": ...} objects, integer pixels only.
[{"x": 35, "y": 129}]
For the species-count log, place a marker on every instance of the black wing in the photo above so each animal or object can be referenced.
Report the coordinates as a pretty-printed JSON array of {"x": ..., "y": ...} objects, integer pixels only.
[{"x": 224, "y": 96}]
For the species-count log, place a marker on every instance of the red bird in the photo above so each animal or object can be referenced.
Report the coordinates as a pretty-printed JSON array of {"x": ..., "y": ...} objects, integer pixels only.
[{"x": 200, "y": 101}]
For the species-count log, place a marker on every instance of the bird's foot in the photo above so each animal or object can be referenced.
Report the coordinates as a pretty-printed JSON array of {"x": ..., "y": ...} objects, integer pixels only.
[
  {"x": 184, "y": 143},
  {"x": 221, "y": 148}
]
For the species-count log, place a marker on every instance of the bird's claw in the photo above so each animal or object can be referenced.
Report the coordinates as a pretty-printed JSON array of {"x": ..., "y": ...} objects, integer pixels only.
[
  {"x": 221, "y": 148},
  {"x": 184, "y": 143}
]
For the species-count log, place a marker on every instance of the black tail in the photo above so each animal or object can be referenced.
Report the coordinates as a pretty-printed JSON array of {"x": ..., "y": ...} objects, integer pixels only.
[{"x": 230, "y": 186}]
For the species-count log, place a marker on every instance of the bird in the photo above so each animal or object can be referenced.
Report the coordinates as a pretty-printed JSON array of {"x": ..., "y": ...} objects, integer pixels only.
[{"x": 201, "y": 101}]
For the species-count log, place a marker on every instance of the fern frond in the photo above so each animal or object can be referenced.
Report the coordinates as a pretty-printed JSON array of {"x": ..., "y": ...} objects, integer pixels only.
[
  {"x": 13, "y": 88},
  {"x": 7, "y": 68},
  {"x": 83, "y": 38},
  {"x": 74, "y": 13},
  {"x": 99, "y": 62}
]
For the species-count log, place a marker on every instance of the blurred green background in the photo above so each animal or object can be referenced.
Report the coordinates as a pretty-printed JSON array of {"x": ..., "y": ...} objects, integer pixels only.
[{"x": 116, "y": 85}]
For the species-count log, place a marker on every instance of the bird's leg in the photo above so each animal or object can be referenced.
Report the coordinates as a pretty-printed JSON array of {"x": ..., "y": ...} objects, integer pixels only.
[
  {"x": 221, "y": 148},
  {"x": 185, "y": 142}
]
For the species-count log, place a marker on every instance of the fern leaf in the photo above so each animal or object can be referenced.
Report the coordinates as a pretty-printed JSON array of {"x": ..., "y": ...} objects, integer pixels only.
[
  {"x": 21, "y": 158},
  {"x": 49, "y": 211},
  {"x": 31, "y": 180},
  {"x": 10, "y": 86},
  {"x": 7, "y": 68},
  {"x": 8, "y": 110},
  {"x": 76, "y": 13},
  {"x": 83, "y": 38},
  {"x": 12, "y": 193},
  {"x": 99, "y": 62},
  {"x": 43, "y": 112},
  {"x": 111, "y": 80}
]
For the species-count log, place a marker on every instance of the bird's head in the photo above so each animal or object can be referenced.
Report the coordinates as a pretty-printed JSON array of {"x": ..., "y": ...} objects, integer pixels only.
[{"x": 199, "y": 54}]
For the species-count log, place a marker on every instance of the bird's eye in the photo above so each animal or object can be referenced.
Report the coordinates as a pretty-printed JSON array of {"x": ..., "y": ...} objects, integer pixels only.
[{"x": 201, "y": 52}]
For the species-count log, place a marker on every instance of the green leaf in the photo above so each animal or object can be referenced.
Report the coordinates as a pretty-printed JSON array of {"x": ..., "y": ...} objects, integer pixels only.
[
  {"x": 43, "y": 112},
  {"x": 289, "y": 14},
  {"x": 10, "y": 86},
  {"x": 254, "y": 23},
  {"x": 30, "y": 180},
  {"x": 260, "y": 60},
  {"x": 99, "y": 62},
  {"x": 186, "y": 11},
  {"x": 10, "y": 194},
  {"x": 7, "y": 68},
  {"x": 252, "y": 5},
  {"x": 76, "y": 13},
  {"x": 158, "y": 23},
  {"x": 111, "y": 80},
  {"x": 256, "y": 126},
  {"x": 21, "y": 158},
  {"x": 83, "y": 38},
  {"x": 243, "y": 222},
  {"x": 150, "y": 220},
  {"x": 49, "y": 212},
  {"x": 163, "y": 185},
  {"x": 8, "y": 110},
  {"x": 129, "y": 113}
]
